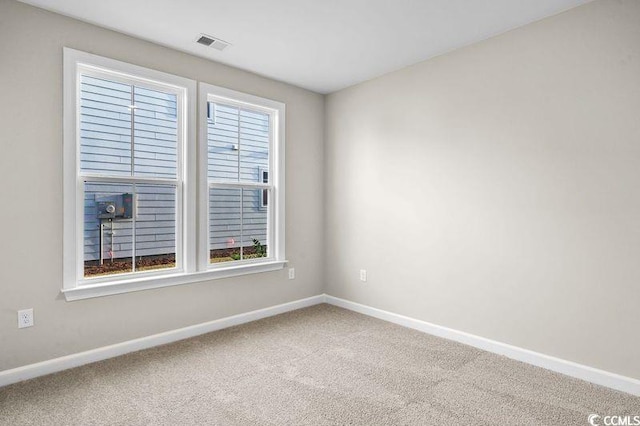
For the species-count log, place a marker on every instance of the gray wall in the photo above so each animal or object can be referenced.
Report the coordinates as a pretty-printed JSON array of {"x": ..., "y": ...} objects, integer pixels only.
[
  {"x": 31, "y": 42},
  {"x": 497, "y": 188}
]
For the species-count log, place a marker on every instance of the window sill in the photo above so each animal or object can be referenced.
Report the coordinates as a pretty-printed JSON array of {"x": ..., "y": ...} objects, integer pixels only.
[{"x": 137, "y": 284}]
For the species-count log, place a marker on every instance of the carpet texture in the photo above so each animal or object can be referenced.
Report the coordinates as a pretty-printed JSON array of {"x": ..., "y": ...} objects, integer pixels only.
[{"x": 316, "y": 366}]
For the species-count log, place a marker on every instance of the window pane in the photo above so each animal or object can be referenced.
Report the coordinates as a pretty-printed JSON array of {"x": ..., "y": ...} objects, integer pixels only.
[
  {"x": 108, "y": 229},
  {"x": 254, "y": 145},
  {"x": 105, "y": 126},
  {"x": 224, "y": 224},
  {"x": 155, "y": 227},
  {"x": 223, "y": 134},
  {"x": 254, "y": 224},
  {"x": 156, "y": 133},
  {"x": 238, "y": 142},
  {"x": 124, "y": 220}
]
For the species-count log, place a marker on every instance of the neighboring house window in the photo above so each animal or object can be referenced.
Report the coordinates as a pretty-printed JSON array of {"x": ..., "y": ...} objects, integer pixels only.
[
  {"x": 263, "y": 176},
  {"x": 243, "y": 141},
  {"x": 211, "y": 112},
  {"x": 130, "y": 181}
]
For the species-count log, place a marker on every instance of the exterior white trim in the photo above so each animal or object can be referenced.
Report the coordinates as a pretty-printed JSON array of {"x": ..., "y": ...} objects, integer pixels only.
[
  {"x": 568, "y": 368},
  {"x": 75, "y": 360}
]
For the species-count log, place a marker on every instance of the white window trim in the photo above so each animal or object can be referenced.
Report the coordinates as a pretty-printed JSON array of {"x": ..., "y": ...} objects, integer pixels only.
[
  {"x": 276, "y": 220},
  {"x": 150, "y": 282},
  {"x": 196, "y": 266}
]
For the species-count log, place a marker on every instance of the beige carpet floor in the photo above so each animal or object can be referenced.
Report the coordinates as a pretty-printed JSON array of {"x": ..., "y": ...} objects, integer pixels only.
[{"x": 317, "y": 366}]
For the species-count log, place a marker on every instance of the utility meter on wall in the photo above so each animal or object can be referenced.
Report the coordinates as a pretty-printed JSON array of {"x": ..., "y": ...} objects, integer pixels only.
[
  {"x": 112, "y": 207},
  {"x": 106, "y": 209}
]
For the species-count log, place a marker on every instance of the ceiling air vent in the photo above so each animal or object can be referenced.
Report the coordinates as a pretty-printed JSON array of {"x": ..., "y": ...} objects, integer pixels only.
[{"x": 209, "y": 41}]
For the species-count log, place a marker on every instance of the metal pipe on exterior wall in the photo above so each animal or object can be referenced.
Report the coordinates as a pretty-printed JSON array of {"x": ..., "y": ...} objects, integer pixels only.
[
  {"x": 113, "y": 232},
  {"x": 101, "y": 242}
]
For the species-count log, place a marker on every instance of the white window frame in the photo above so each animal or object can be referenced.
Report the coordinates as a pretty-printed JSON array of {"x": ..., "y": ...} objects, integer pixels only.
[
  {"x": 276, "y": 212},
  {"x": 192, "y": 235}
]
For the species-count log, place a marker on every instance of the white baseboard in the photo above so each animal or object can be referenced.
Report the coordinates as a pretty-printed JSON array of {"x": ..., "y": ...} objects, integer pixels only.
[
  {"x": 75, "y": 360},
  {"x": 579, "y": 371}
]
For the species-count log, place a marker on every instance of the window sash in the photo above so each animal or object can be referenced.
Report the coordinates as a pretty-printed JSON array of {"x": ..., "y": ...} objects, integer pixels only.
[
  {"x": 270, "y": 232},
  {"x": 212, "y": 99},
  {"x": 275, "y": 210},
  {"x": 243, "y": 184},
  {"x": 133, "y": 179},
  {"x": 179, "y": 237},
  {"x": 141, "y": 82}
]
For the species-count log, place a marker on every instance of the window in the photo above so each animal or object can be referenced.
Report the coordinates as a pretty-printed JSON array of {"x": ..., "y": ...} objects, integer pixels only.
[
  {"x": 263, "y": 177},
  {"x": 241, "y": 141},
  {"x": 130, "y": 191}
]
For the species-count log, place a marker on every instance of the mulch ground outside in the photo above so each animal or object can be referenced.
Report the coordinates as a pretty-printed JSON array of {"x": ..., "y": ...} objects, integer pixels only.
[
  {"x": 147, "y": 263},
  {"x": 118, "y": 266}
]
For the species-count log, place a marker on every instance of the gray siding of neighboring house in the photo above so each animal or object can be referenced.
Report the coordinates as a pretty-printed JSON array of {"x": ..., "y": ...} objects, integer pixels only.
[
  {"x": 105, "y": 147},
  {"x": 238, "y": 147}
]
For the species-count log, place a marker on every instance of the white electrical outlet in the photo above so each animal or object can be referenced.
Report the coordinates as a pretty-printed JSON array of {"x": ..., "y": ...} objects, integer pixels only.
[
  {"x": 25, "y": 318},
  {"x": 363, "y": 275},
  {"x": 292, "y": 273}
]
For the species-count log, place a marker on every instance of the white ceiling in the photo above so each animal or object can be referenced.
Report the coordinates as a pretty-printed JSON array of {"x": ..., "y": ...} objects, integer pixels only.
[{"x": 321, "y": 45}]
